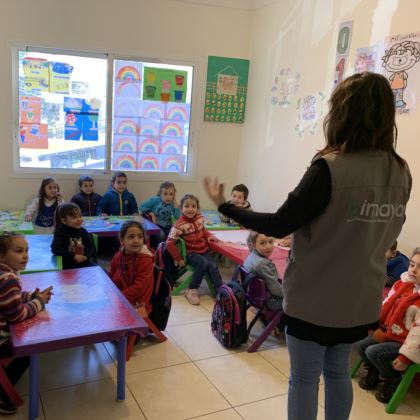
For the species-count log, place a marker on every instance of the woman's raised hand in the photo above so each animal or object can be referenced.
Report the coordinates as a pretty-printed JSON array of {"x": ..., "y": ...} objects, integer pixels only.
[{"x": 215, "y": 190}]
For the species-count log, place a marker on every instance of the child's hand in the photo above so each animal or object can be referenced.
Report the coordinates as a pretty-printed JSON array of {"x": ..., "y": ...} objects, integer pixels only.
[
  {"x": 215, "y": 190},
  {"x": 58, "y": 196},
  {"x": 212, "y": 239},
  {"x": 397, "y": 364},
  {"x": 181, "y": 263},
  {"x": 79, "y": 258},
  {"x": 28, "y": 218},
  {"x": 45, "y": 295},
  {"x": 153, "y": 217}
]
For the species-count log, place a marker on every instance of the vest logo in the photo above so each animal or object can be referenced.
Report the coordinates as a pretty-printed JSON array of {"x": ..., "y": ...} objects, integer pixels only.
[{"x": 374, "y": 212}]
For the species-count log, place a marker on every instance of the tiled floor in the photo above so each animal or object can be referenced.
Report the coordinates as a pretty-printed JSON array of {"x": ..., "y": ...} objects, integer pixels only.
[{"x": 187, "y": 377}]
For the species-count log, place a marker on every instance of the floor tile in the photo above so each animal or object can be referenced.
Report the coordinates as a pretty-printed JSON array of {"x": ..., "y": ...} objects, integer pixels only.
[
  {"x": 184, "y": 313},
  {"x": 22, "y": 413},
  {"x": 221, "y": 415},
  {"x": 279, "y": 358},
  {"x": 244, "y": 377},
  {"x": 175, "y": 392},
  {"x": 95, "y": 400}
]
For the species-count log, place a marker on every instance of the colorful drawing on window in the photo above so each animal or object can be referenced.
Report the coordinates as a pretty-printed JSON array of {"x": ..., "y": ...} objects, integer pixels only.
[
  {"x": 286, "y": 85},
  {"x": 71, "y": 104},
  {"x": 128, "y": 89},
  {"x": 124, "y": 107},
  {"x": 177, "y": 112},
  {"x": 171, "y": 145},
  {"x": 149, "y": 127},
  {"x": 128, "y": 71},
  {"x": 148, "y": 145},
  {"x": 148, "y": 162},
  {"x": 365, "y": 59},
  {"x": 90, "y": 127},
  {"x": 30, "y": 109},
  {"x": 173, "y": 163},
  {"x": 345, "y": 32},
  {"x": 125, "y": 144},
  {"x": 172, "y": 128},
  {"x": 310, "y": 111},
  {"x": 60, "y": 74},
  {"x": 164, "y": 85},
  {"x": 124, "y": 160},
  {"x": 37, "y": 75},
  {"x": 73, "y": 126},
  {"x": 126, "y": 126},
  {"x": 33, "y": 136},
  {"x": 153, "y": 110},
  {"x": 400, "y": 64},
  {"x": 226, "y": 89}
]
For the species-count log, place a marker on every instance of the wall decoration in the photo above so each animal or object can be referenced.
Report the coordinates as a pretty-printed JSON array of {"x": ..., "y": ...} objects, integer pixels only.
[
  {"x": 128, "y": 89},
  {"x": 81, "y": 118},
  {"x": 148, "y": 162},
  {"x": 400, "y": 64},
  {"x": 173, "y": 163},
  {"x": 171, "y": 145},
  {"x": 310, "y": 110},
  {"x": 148, "y": 145},
  {"x": 60, "y": 74},
  {"x": 365, "y": 59},
  {"x": 124, "y": 144},
  {"x": 73, "y": 126},
  {"x": 124, "y": 160},
  {"x": 286, "y": 84},
  {"x": 345, "y": 32},
  {"x": 165, "y": 85},
  {"x": 128, "y": 126},
  {"x": 149, "y": 127},
  {"x": 33, "y": 136},
  {"x": 37, "y": 75},
  {"x": 226, "y": 89},
  {"x": 30, "y": 109},
  {"x": 129, "y": 71},
  {"x": 127, "y": 107},
  {"x": 177, "y": 112},
  {"x": 153, "y": 110}
]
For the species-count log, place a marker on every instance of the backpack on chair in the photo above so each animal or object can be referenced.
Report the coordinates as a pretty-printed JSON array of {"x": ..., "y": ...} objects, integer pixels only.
[{"x": 228, "y": 322}]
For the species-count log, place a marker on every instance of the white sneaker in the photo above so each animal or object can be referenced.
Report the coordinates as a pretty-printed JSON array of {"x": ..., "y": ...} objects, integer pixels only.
[{"x": 192, "y": 296}]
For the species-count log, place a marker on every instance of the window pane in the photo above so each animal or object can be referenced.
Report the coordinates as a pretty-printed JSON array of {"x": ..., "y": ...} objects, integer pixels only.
[
  {"x": 151, "y": 116},
  {"x": 62, "y": 111}
]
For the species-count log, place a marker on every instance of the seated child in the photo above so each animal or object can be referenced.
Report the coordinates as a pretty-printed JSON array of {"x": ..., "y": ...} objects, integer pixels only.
[
  {"x": 190, "y": 227},
  {"x": 396, "y": 344},
  {"x": 72, "y": 241},
  {"x": 16, "y": 305},
  {"x": 162, "y": 209},
  {"x": 258, "y": 262},
  {"x": 132, "y": 267},
  {"x": 117, "y": 201},
  {"x": 396, "y": 264},
  {"x": 86, "y": 199},
  {"x": 41, "y": 210},
  {"x": 238, "y": 197}
]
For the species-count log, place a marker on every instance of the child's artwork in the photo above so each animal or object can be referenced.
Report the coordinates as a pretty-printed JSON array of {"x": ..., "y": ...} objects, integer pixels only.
[
  {"x": 30, "y": 109},
  {"x": 286, "y": 84},
  {"x": 37, "y": 75},
  {"x": 172, "y": 128},
  {"x": 128, "y": 89},
  {"x": 128, "y": 71},
  {"x": 149, "y": 127},
  {"x": 165, "y": 85},
  {"x": 310, "y": 109},
  {"x": 365, "y": 59},
  {"x": 153, "y": 110},
  {"x": 171, "y": 145},
  {"x": 126, "y": 126},
  {"x": 14, "y": 221},
  {"x": 81, "y": 118},
  {"x": 60, "y": 74},
  {"x": 33, "y": 136},
  {"x": 74, "y": 105},
  {"x": 73, "y": 127},
  {"x": 173, "y": 163},
  {"x": 148, "y": 145},
  {"x": 90, "y": 127},
  {"x": 148, "y": 162},
  {"x": 345, "y": 31},
  {"x": 226, "y": 89},
  {"x": 124, "y": 107},
  {"x": 402, "y": 53},
  {"x": 124, "y": 144},
  {"x": 124, "y": 160},
  {"x": 177, "y": 112}
]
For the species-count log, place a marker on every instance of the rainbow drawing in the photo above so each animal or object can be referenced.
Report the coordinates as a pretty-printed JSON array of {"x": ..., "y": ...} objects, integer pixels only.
[
  {"x": 149, "y": 163},
  {"x": 128, "y": 73},
  {"x": 173, "y": 164},
  {"x": 171, "y": 147},
  {"x": 172, "y": 129},
  {"x": 177, "y": 112},
  {"x": 148, "y": 146},
  {"x": 127, "y": 127},
  {"x": 128, "y": 89},
  {"x": 153, "y": 109},
  {"x": 127, "y": 107},
  {"x": 125, "y": 161},
  {"x": 125, "y": 144},
  {"x": 149, "y": 129}
]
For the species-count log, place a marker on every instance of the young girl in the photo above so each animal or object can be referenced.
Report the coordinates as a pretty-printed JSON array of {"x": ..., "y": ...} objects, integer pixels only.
[
  {"x": 396, "y": 344},
  {"x": 41, "y": 210},
  {"x": 258, "y": 262},
  {"x": 72, "y": 241},
  {"x": 117, "y": 201},
  {"x": 15, "y": 305},
  {"x": 132, "y": 267},
  {"x": 162, "y": 209},
  {"x": 190, "y": 227}
]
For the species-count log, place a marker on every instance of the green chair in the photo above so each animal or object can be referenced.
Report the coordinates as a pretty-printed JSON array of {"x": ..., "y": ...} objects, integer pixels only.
[
  {"x": 190, "y": 270},
  {"x": 400, "y": 392}
]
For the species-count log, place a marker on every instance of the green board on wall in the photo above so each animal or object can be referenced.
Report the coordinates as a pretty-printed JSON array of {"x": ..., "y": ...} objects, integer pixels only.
[{"x": 165, "y": 85}]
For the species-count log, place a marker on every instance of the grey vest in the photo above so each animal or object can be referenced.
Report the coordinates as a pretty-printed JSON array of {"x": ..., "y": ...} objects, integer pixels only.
[{"x": 336, "y": 270}]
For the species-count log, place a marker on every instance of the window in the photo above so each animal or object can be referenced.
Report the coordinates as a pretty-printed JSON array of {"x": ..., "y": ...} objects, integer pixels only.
[{"x": 63, "y": 113}]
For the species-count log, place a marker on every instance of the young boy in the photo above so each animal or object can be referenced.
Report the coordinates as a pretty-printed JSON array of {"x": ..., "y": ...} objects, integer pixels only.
[
  {"x": 86, "y": 199},
  {"x": 238, "y": 197},
  {"x": 396, "y": 264}
]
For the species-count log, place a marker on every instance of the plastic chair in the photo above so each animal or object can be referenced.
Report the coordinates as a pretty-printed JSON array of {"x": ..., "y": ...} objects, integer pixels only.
[
  {"x": 256, "y": 295},
  {"x": 188, "y": 269},
  {"x": 7, "y": 386},
  {"x": 402, "y": 388}
]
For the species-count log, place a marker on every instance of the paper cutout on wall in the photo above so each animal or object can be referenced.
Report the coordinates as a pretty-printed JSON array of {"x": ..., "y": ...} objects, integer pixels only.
[
  {"x": 286, "y": 85},
  {"x": 164, "y": 85},
  {"x": 91, "y": 106},
  {"x": 172, "y": 128},
  {"x": 128, "y": 89},
  {"x": 153, "y": 109},
  {"x": 345, "y": 32},
  {"x": 365, "y": 59},
  {"x": 33, "y": 136},
  {"x": 37, "y": 74},
  {"x": 148, "y": 145},
  {"x": 148, "y": 162},
  {"x": 124, "y": 143},
  {"x": 173, "y": 163},
  {"x": 128, "y": 70},
  {"x": 30, "y": 109},
  {"x": 171, "y": 145},
  {"x": 310, "y": 110},
  {"x": 73, "y": 127},
  {"x": 124, "y": 160},
  {"x": 90, "y": 127},
  {"x": 127, "y": 126},
  {"x": 149, "y": 127},
  {"x": 60, "y": 74},
  {"x": 124, "y": 107},
  {"x": 71, "y": 104},
  {"x": 177, "y": 112}
]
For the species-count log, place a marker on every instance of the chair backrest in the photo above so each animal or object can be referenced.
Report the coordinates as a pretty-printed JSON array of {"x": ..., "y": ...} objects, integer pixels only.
[{"x": 256, "y": 291}]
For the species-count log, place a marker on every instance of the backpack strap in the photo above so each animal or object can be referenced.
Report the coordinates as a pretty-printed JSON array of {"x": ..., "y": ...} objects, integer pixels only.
[{"x": 232, "y": 296}]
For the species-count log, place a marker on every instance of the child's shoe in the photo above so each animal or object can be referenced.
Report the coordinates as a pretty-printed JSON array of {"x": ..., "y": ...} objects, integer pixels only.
[
  {"x": 371, "y": 379},
  {"x": 385, "y": 394},
  {"x": 192, "y": 296},
  {"x": 7, "y": 408}
]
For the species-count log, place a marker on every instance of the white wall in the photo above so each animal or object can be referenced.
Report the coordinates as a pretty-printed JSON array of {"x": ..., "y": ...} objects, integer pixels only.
[
  {"x": 302, "y": 35},
  {"x": 143, "y": 28}
]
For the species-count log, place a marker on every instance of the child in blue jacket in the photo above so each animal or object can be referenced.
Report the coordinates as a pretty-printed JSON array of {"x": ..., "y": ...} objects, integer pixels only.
[
  {"x": 117, "y": 201},
  {"x": 396, "y": 264}
]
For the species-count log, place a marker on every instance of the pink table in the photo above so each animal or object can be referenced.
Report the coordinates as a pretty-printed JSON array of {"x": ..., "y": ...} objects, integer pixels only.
[
  {"x": 86, "y": 308},
  {"x": 232, "y": 244}
]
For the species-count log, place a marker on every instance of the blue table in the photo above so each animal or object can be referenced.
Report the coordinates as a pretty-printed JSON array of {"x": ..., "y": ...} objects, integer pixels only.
[{"x": 40, "y": 256}]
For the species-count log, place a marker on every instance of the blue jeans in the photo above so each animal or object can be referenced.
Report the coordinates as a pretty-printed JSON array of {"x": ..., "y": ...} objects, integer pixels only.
[
  {"x": 379, "y": 355},
  {"x": 307, "y": 360},
  {"x": 203, "y": 263}
]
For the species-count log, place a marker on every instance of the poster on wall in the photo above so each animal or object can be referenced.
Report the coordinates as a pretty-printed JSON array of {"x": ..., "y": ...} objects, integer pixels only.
[
  {"x": 345, "y": 31},
  {"x": 226, "y": 89},
  {"x": 285, "y": 86},
  {"x": 365, "y": 59},
  {"x": 401, "y": 67},
  {"x": 310, "y": 111},
  {"x": 165, "y": 85}
]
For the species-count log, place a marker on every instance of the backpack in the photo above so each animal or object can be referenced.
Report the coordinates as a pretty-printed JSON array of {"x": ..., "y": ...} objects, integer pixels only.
[
  {"x": 228, "y": 323},
  {"x": 170, "y": 270},
  {"x": 161, "y": 299}
]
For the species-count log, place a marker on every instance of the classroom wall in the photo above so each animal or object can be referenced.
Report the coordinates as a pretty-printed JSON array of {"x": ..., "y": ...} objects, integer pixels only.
[
  {"x": 302, "y": 35},
  {"x": 142, "y": 28}
]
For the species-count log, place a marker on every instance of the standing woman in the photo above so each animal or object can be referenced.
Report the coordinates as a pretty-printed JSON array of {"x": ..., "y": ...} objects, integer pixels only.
[{"x": 347, "y": 210}]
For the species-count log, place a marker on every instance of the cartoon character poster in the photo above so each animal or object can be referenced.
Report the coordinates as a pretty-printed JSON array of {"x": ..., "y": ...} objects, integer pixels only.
[
  {"x": 400, "y": 64},
  {"x": 366, "y": 59}
]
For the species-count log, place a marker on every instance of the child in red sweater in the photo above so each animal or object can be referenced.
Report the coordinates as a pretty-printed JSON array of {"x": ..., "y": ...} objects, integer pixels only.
[
  {"x": 190, "y": 227},
  {"x": 132, "y": 267}
]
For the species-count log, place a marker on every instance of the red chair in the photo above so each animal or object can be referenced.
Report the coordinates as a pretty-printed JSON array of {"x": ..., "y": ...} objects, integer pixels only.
[
  {"x": 7, "y": 386},
  {"x": 256, "y": 295}
]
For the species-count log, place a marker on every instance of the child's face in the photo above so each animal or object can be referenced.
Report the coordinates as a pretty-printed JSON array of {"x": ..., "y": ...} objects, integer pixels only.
[
  {"x": 74, "y": 220},
  {"x": 167, "y": 195},
  {"x": 16, "y": 257},
  {"x": 120, "y": 184},
  {"x": 51, "y": 190},
  {"x": 414, "y": 269},
  {"x": 87, "y": 187},
  {"x": 189, "y": 208},
  {"x": 237, "y": 198},
  {"x": 133, "y": 240},
  {"x": 264, "y": 245}
]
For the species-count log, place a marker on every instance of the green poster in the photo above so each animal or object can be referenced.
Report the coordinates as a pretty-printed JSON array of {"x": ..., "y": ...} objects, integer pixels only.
[
  {"x": 226, "y": 88},
  {"x": 165, "y": 85}
]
